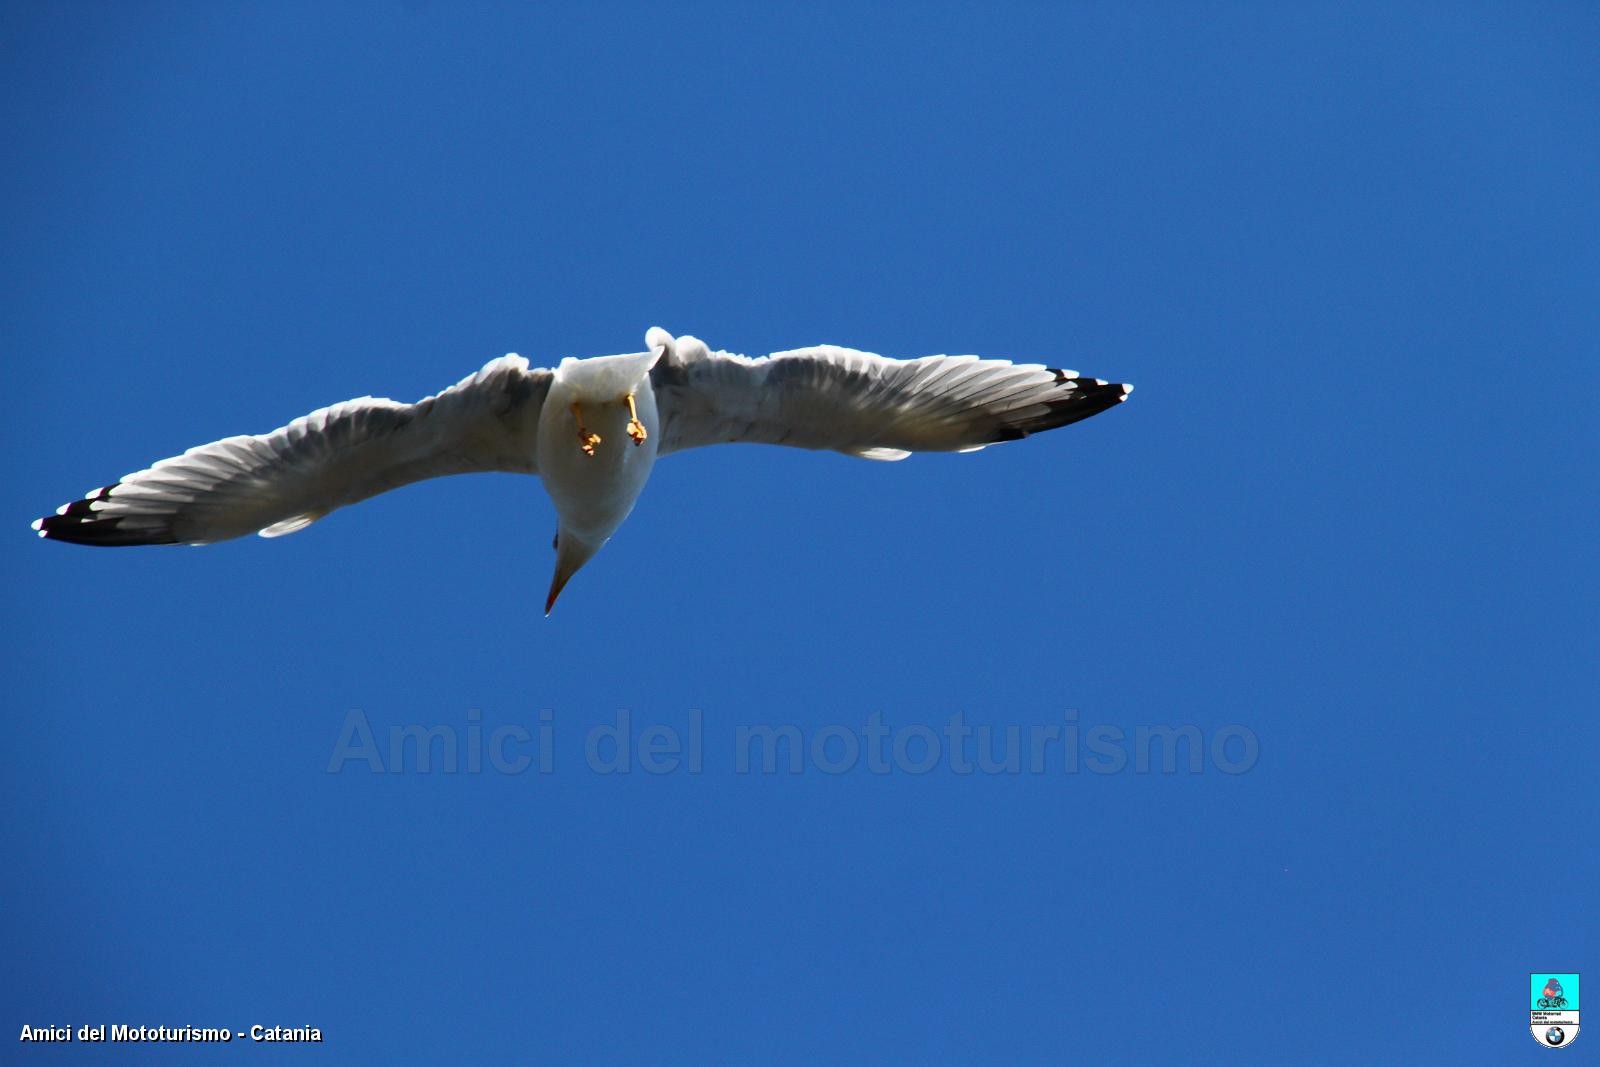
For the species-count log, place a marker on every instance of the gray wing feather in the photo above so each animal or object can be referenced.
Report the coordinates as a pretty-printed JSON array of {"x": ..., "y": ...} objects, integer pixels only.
[
  {"x": 280, "y": 482},
  {"x": 863, "y": 404}
]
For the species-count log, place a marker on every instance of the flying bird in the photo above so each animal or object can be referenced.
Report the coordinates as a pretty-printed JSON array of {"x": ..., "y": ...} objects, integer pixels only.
[{"x": 591, "y": 429}]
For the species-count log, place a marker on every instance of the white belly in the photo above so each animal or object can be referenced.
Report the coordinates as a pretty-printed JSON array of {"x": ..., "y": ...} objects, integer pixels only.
[{"x": 593, "y": 494}]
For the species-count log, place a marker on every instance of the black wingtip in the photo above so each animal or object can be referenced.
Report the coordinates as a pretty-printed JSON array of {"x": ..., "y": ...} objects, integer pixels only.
[
  {"x": 80, "y": 523},
  {"x": 1078, "y": 399},
  {"x": 102, "y": 533}
]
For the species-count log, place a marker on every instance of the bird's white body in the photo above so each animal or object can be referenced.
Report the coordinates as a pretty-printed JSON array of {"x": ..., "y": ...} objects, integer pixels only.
[
  {"x": 594, "y": 486},
  {"x": 593, "y": 494},
  {"x": 592, "y": 429}
]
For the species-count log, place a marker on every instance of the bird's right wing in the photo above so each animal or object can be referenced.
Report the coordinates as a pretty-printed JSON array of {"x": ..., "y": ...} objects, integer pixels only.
[
  {"x": 283, "y": 481},
  {"x": 863, "y": 404}
]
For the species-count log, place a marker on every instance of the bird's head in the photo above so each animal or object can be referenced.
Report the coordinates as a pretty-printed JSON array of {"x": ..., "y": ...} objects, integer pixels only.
[{"x": 573, "y": 550}]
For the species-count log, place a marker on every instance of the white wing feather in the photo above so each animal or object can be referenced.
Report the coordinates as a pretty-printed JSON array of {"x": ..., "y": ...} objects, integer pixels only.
[
  {"x": 277, "y": 483},
  {"x": 863, "y": 404}
]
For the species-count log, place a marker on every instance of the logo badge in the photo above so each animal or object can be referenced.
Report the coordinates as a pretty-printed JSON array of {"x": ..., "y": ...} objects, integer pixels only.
[{"x": 1553, "y": 1018}]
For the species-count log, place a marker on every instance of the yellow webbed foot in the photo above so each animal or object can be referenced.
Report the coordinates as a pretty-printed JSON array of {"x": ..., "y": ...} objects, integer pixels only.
[
  {"x": 586, "y": 439},
  {"x": 636, "y": 431}
]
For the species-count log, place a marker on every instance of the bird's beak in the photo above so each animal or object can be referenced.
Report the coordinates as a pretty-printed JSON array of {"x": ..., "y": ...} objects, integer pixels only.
[{"x": 572, "y": 552}]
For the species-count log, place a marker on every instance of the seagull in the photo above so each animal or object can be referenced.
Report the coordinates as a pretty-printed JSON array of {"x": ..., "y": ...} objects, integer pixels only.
[{"x": 591, "y": 429}]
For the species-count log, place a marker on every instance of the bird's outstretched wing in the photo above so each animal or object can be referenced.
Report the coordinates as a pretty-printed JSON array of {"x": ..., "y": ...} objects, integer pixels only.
[
  {"x": 863, "y": 404},
  {"x": 283, "y": 481}
]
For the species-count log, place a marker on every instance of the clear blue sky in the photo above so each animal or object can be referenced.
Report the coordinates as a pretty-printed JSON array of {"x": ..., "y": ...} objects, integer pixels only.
[{"x": 1346, "y": 252}]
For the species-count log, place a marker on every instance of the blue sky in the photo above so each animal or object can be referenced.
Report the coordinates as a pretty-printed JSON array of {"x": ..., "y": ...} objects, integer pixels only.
[{"x": 1346, "y": 252}]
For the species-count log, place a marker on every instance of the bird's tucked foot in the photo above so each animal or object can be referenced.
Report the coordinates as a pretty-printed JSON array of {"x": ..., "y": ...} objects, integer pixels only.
[
  {"x": 586, "y": 439},
  {"x": 636, "y": 431}
]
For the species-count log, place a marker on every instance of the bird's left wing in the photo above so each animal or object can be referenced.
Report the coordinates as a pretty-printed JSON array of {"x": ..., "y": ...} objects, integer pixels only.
[
  {"x": 283, "y": 481},
  {"x": 863, "y": 404}
]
